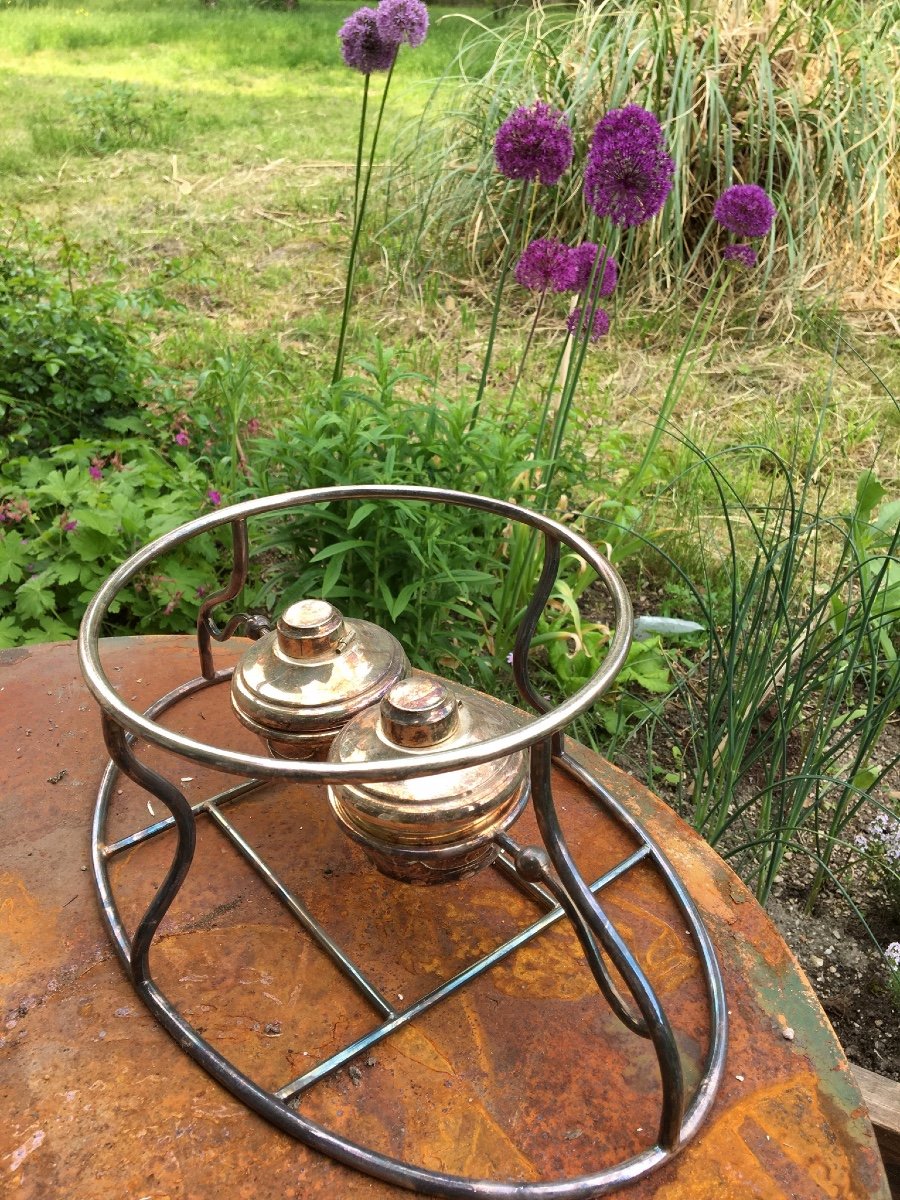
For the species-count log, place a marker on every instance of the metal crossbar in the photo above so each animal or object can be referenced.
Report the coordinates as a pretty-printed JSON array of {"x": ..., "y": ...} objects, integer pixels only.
[{"x": 393, "y": 1020}]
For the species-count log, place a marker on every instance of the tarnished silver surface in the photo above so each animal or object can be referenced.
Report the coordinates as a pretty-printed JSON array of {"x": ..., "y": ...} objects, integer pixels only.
[
  {"x": 300, "y": 683},
  {"x": 433, "y": 828}
]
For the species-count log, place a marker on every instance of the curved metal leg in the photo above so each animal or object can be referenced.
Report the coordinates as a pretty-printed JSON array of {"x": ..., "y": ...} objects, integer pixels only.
[
  {"x": 207, "y": 629},
  {"x": 532, "y": 863},
  {"x": 123, "y": 756},
  {"x": 658, "y": 1026}
]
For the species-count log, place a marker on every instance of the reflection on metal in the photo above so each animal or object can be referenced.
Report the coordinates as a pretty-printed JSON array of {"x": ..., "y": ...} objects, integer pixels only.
[
  {"x": 434, "y": 828},
  {"x": 302, "y": 682},
  {"x": 427, "y": 741}
]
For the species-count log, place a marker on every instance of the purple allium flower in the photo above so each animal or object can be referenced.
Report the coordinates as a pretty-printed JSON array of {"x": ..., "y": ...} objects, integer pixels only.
[
  {"x": 546, "y": 263},
  {"x": 534, "y": 143},
  {"x": 746, "y": 210},
  {"x": 583, "y": 258},
  {"x": 578, "y": 319},
  {"x": 740, "y": 253},
  {"x": 214, "y": 497},
  {"x": 94, "y": 471},
  {"x": 253, "y": 427},
  {"x": 182, "y": 438},
  {"x": 629, "y": 171},
  {"x": 362, "y": 46},
  {"x": 402, "y": 21}
]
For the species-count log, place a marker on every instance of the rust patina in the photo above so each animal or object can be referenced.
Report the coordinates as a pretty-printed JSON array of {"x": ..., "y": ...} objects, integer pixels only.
[{"x": 525, "y": 1074}]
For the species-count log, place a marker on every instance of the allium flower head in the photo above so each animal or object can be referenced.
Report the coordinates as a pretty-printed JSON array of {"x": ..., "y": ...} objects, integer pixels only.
[
  {"x": 740, "y": 253},
  {"x": 606, "y": 276},
  {"x": 746, "y": 210},
  {"x": 578, "y": 320},
  {"x": 95, "y": 470},
  {"x": 629, "y": 171},
  {"x": 362, "y": 46},
  {"x": 182, "y": 438},
  {"x": 534, "y": 143},
  {"x": 545, "y": 263},
  {"x": 214, "y": 497},
  {"x": 402, "y": 21}
]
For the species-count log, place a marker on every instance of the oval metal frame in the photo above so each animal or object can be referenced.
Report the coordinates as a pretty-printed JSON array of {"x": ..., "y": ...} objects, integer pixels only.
[{"x": 680, "y": 1119}]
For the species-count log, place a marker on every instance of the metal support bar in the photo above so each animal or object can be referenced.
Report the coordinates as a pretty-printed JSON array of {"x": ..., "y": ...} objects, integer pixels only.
[
  {"x": 151, "y": 831},
  {"x": 316, "y": 931},
  {"x": 330, "y": 1065}
]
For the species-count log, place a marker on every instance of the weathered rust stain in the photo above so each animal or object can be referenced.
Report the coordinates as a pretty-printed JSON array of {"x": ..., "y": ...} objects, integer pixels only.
[
  {"x": 755, "y": 1151},
  {"x": 24, "y": 924},
  {"x": 526, "y": 1075}
]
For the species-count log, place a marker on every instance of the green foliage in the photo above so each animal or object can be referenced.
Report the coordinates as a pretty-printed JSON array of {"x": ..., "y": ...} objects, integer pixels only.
[
  {"x": 786, "y": 706},
  {"x": 61, "y": 532},
  {"x": 799, "y": 100},
  {"x": 432, "y": 574},
  {"x": 224, "y": 413},
  {"x": 74, "y": 353},
  {"x": 110, "y": 117},
  {"x": 873, "y": 532}
]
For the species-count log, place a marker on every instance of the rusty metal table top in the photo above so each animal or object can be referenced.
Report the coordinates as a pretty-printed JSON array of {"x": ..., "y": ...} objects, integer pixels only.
[{"x": 511, "y": 1077}]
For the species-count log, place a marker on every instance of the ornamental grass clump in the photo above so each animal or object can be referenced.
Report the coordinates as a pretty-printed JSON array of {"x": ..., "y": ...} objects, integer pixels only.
[{"x": 798, "y": 99}]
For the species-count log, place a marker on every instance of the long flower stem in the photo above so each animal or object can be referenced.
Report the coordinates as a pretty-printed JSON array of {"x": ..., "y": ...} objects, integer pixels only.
[
  {"x": 495, "y": 315},
  {"x": 577, "y": 353},
  {"x": 360, "y": 206},
  {"x": 679, "y": 375},
  {"x": 359, "y": 150},
  {"x": 529, "y": 340}
]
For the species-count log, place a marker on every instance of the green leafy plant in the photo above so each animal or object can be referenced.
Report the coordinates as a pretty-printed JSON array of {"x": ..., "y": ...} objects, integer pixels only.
[
  {"x": 432, "y": 574},
  {"x": 74, "y": 349},
  {"x": 68, "y": 516},
  {"x": 786, "y": 706},
  {"x": 224, "y": 415}
]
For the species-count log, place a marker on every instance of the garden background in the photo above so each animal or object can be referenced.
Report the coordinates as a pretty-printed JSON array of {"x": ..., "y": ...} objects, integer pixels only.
[{"x": 176, "y": 204}]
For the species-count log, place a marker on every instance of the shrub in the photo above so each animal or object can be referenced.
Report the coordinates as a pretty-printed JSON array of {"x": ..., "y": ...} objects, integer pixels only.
[
  {"x": 110, "y": 117},
  {"x": 68, "y": 517},
  {"x": 74, "y": 355},
  {"x": 433, "y": 574}
]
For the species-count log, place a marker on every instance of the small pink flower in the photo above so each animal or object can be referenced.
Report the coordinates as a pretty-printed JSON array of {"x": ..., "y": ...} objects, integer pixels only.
[
  {"x": 182, "y": 438},
  {"x": 253, "y": 427},
  {"x": 173, "y": 604},
  {"x": 214, "y": 497},
  {"x": 66, "y": 524},
  {"x": 96, "y": 468}
]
